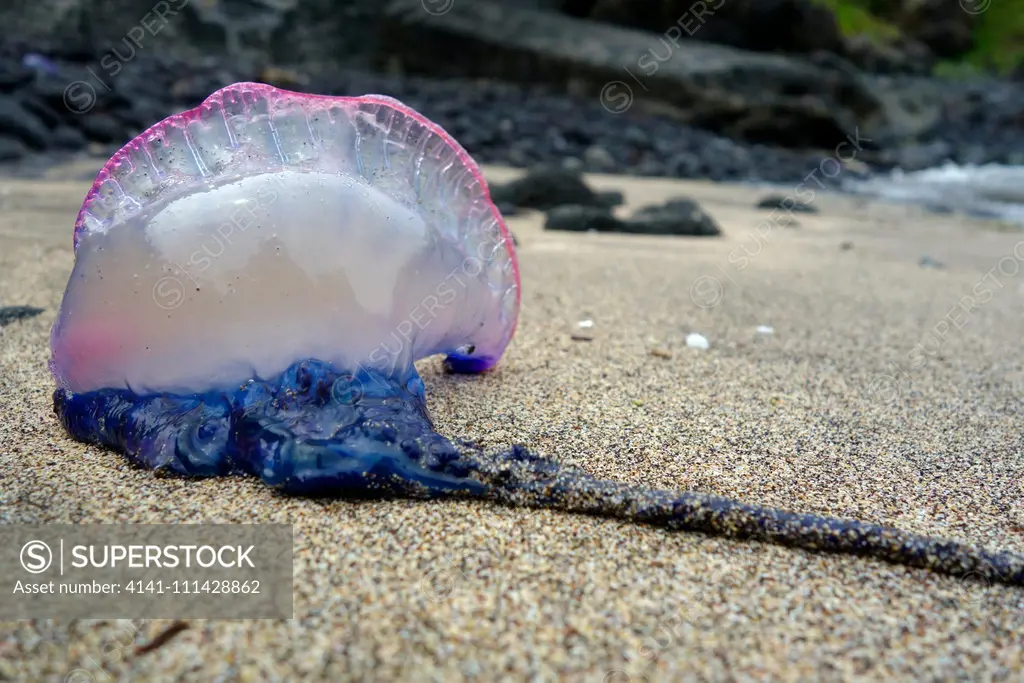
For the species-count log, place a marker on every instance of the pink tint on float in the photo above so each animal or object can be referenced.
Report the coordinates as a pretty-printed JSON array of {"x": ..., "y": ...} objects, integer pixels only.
[{"x": 266, "y": 226}]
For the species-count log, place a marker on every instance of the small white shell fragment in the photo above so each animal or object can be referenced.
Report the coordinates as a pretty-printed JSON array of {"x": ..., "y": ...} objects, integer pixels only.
[
  {"x": 765, "y": 329},
  {"x": 586, "y": 324},
  {"x": 697, "y": 341}
]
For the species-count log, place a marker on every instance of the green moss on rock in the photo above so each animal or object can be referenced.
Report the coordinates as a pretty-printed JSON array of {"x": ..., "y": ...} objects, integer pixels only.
[
  {"x": 998, "y": 33},
  {"x": 998, "y": 36},
  {"x": 855, "y": 19}
]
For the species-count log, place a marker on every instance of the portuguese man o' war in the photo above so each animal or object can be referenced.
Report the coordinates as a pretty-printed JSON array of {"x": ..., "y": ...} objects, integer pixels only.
[{"x": 254, "y": 280}]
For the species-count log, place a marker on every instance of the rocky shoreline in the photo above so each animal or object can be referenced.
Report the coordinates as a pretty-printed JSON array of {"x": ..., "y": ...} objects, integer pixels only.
[
  {"x": 573, "y": 91},
  {"x": 65, "y": 108}
]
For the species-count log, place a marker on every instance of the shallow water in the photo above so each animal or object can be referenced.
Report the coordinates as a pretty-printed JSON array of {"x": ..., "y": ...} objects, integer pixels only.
[{"x": 990, "y": 190}]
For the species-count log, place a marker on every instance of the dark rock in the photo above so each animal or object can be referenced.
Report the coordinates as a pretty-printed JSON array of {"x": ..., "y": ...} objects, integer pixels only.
[
  {"x": 569, "y": 163},
  {"x": 758, "y": 25},
  {"x": 77, "y": 89},
  {"x": 53, "y": 88},
  {"x": 518, "y": 157},
  {"x": 833, "y": 62},
  {"x": 913, "y": 110},
  {"x": 778, "y": 201},
  {"x": 299, "y": 34},
  {"x": 810, "y": 122},
  {"x": 948, "y": 38},
  {"x": 928, "y": 262},
  {"x": 900, "y": 56},
  {"x": 9, "y": 314},
  {"x": 194, "y": 88},
  {"x": 11, "y": 149},
  {"x": 13, "y": 76},
  {"x": 546, "y": 187},
  {"x": 664, "y": 224},
  {"x": 610, "y": 199},
  {"x": 525, "y": 125},
  {"x": 113, "y": 33},
  {"x": 507, "y": 209},
  {"x": 742, "y": 93},
  {"x": 18, "y": 122},
  {"x": 597, "y": 158},
  {"x": 985, "y": 214},
  {"x": 578, "y": 218},
  {"x": 679, "y": 216},
  {"x": 845, "y": 246},
  {"x": 684, "y": 165},
  {"x": 100, "y": 127},
  {"x": 943, "y": 25},
  {"x": 41, "y": 109},
  {"x": 67, "y": 138}
]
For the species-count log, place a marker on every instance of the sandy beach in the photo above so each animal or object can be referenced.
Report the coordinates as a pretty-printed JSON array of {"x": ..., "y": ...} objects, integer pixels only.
[{"x": 889, "y": 391}]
